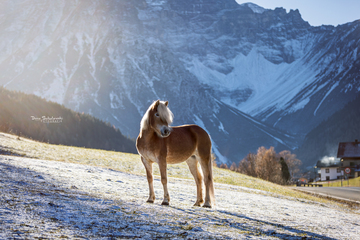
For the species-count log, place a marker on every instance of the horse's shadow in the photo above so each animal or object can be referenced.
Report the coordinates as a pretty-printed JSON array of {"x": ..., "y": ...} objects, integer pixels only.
[{"x": 240, "y": 222}]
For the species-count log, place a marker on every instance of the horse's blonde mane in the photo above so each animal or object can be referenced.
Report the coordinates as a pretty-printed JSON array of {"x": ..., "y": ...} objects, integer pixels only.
[{"x": 165, "y": 114}]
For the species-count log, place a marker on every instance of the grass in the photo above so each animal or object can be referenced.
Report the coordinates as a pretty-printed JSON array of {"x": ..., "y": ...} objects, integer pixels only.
[
  {"x": 131, "y": 163},
  {"x": 353, "y": 182}
]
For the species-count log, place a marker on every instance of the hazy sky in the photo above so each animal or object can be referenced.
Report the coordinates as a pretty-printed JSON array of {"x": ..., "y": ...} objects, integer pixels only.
[{"x": 317, "y": 12}]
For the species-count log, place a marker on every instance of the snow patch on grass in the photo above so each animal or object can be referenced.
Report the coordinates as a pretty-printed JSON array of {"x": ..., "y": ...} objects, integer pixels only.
[{"x": 51, "y": 199}]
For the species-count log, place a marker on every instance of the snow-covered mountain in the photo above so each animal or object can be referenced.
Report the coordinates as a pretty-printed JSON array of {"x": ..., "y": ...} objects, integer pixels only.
[{"x": 251, "y": 76}]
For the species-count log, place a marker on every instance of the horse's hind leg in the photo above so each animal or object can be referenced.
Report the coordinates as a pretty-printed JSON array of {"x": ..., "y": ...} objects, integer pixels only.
[
  {"x": 148, "y": 167},
  {"x": 195, "y": 171},
  {"x": 206, "y": 166}
]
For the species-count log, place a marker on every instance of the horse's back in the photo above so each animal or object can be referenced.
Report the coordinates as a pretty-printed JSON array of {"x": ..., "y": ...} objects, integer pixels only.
[
  {"x": 195, "y": 132},
  {"x": 202, "y": 136},
  {"x": 185, "y": 140}
]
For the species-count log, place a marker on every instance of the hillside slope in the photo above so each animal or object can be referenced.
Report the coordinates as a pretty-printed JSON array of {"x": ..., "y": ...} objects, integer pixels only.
[
  {"x": 34, "y": 117},
  {"x": 104, "y": 194}
]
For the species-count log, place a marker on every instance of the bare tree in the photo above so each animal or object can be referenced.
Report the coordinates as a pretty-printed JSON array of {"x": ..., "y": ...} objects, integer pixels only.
[
  {"x": 224, "y": 165},
  {"x": 292, "y": 162},
  {"x": 248, "y": 165},
  {"x": 266, "y": 164},
  {"x": 233, "y": 167},
  {"x": 268, "y": 167}
]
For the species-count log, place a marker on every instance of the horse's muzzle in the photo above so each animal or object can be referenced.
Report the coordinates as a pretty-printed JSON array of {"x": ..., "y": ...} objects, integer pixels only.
[{"x": 165, "y": 131}]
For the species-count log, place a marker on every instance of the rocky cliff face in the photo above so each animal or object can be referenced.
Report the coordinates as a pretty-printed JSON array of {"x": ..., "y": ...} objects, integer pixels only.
[{"x": 251, "y": 76}]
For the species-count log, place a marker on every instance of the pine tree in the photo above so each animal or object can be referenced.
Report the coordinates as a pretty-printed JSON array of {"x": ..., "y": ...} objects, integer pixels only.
[{"x": 284, "y": 170}]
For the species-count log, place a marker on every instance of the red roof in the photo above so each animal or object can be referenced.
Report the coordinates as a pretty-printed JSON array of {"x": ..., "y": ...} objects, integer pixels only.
[{"x": 349, "y": 150}]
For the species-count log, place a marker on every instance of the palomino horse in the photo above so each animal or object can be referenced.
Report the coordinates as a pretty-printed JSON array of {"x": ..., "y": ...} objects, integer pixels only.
[{"x": 162, "y": 144}]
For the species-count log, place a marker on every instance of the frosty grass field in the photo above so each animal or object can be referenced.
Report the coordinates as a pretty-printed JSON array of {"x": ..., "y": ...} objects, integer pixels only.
[{"x": 64, "y": 192}]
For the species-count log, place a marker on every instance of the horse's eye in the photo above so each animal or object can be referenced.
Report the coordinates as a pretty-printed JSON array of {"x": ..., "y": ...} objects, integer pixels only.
[{"x": 157, "y": 115}]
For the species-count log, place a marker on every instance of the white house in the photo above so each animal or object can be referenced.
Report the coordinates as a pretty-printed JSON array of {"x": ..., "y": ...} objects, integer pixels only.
[
  {"x": 330, "y": 173},
  {"x": 329, "y": 169}
]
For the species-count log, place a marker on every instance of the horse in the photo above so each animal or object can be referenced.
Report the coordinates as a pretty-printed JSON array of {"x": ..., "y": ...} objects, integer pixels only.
[{"x": 159, "y": 143}]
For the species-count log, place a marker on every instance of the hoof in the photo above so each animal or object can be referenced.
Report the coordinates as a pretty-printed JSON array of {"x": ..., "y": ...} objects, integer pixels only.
[
  {"x": 165, "y": 203},
  {"x": 207, "y": 205},
  {"x": 150, "y": 201}
]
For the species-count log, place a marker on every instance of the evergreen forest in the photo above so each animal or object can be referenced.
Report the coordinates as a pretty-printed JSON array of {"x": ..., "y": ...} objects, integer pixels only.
[{"x": 30, "y": 116}]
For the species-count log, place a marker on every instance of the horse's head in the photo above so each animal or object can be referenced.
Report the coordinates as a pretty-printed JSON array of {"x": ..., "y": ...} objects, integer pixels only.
[{"x": 158, "y": 117}]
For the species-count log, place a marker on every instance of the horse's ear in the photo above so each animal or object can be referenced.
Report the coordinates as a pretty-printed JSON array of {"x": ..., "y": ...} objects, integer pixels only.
[
  {"x": 166, "y": 103},
  {"x": 157, "y": 103}
]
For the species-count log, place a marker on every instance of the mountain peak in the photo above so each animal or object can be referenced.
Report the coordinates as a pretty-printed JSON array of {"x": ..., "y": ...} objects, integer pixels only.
[{"x": 255, "y": 8}]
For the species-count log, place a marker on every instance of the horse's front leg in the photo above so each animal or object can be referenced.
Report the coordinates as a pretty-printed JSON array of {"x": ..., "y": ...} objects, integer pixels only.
[
  {"x": 148, "y": 167},
  {"x": 163, "y": 173}
]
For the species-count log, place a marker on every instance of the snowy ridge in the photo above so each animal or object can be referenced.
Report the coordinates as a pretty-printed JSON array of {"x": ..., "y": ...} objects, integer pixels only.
[
  {"x": 326, "y": 95},
  {"x": 272, "y": 85},
  {"x": 255, "y": 8},
  {"x": 266, "y": 129}
]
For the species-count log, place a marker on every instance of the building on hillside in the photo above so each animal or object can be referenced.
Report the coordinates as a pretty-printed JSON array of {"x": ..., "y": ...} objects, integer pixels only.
[
  {"x": 349, "y": 152},
  {"x": 303, "y": 180},
  {"x": 329, "y": 170}
]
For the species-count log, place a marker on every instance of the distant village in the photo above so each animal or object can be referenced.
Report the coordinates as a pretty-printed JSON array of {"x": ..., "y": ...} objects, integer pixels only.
[{"x": 345, "y": 166}]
